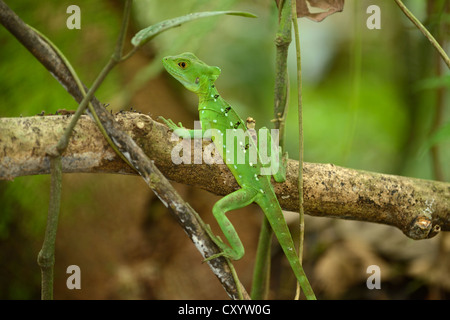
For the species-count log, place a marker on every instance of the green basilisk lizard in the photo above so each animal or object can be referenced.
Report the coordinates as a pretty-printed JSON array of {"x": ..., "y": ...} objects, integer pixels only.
[{"x": 218, "y": 119}]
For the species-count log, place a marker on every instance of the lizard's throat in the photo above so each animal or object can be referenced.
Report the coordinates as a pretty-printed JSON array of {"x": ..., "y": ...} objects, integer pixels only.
[{"x": 211, "y": 95}]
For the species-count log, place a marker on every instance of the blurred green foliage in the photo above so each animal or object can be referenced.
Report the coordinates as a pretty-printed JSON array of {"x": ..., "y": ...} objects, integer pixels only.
[
  {"x": 27, "y": 89},
  {"x": 368, "y": 95}
]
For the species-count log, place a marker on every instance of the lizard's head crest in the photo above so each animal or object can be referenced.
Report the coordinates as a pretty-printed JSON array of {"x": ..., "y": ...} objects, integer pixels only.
[{"x": 193, "y": 73}]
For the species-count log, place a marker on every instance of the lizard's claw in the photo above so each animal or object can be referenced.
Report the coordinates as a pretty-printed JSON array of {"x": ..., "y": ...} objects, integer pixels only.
[
  {"x": 170, "y": 123},
  {"x": 226, "y": 253},
  {"x": 179, "y": 130}
]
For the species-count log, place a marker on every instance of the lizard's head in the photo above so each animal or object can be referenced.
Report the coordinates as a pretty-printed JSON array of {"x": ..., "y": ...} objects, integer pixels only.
[{"x": 193, "y": 73}]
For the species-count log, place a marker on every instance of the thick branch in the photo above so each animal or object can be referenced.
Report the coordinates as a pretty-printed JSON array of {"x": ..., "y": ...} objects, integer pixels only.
[{"x": 417, "y": 207}]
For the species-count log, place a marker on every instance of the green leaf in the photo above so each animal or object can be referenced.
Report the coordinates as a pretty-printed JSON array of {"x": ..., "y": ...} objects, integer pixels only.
[
  {"x": 443, "y": 133},
  {"x": 152, "y": 31},
  {"x": 434, "y": 83}
]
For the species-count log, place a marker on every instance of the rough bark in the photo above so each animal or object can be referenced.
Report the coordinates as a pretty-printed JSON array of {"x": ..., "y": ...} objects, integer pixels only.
[{"x": 420, "y": 208}]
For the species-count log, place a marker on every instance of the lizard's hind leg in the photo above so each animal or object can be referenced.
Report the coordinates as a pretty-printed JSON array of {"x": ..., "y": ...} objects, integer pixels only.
[{"x": 236, "y": 200}]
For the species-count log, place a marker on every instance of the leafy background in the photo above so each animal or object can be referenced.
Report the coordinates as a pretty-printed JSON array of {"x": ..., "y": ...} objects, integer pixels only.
[{"x": 369, "y": 101}]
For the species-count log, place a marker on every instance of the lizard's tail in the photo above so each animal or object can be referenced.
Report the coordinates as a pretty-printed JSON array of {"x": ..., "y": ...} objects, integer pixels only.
[{"x": 274, "y": 214}]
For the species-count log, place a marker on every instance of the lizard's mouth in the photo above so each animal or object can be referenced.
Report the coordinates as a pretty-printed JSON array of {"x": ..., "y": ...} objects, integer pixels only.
[{"x": 173, "y": 71}]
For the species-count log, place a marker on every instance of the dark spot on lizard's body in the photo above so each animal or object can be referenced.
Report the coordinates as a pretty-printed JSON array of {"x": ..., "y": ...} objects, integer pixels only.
[
  {"x": 227, "y": 109},
  {"x": 216, "y": 96},
  {"x": 236, "y": 125}
]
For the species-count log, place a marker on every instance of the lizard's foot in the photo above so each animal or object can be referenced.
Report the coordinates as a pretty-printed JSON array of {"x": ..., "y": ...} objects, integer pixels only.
[
  {"x": 226, "y": 253},
  {"x": 171, "y": 124},
  {"x": 179, "y": 130}
]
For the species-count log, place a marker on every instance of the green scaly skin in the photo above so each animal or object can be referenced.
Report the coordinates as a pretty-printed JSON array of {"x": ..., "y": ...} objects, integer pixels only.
[{"x": 216, "y": 117}]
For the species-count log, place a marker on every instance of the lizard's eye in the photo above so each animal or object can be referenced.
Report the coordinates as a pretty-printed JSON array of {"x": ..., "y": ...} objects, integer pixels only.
[{"x": 182, "y": 64}]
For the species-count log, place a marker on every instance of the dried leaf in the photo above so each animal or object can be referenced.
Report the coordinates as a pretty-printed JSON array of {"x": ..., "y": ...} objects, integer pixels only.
[
  {"x": 328, "y": 6},
  {"x": 344, "y": 264}
]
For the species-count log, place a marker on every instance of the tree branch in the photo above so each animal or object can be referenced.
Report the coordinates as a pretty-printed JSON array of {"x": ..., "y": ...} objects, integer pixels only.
[
  {"x": 420, "y": 208},
  {"x": 180, "y": 210}
]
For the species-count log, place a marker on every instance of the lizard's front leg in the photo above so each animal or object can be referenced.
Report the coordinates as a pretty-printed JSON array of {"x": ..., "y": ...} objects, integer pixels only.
[{"x": 179, "y": 130}]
